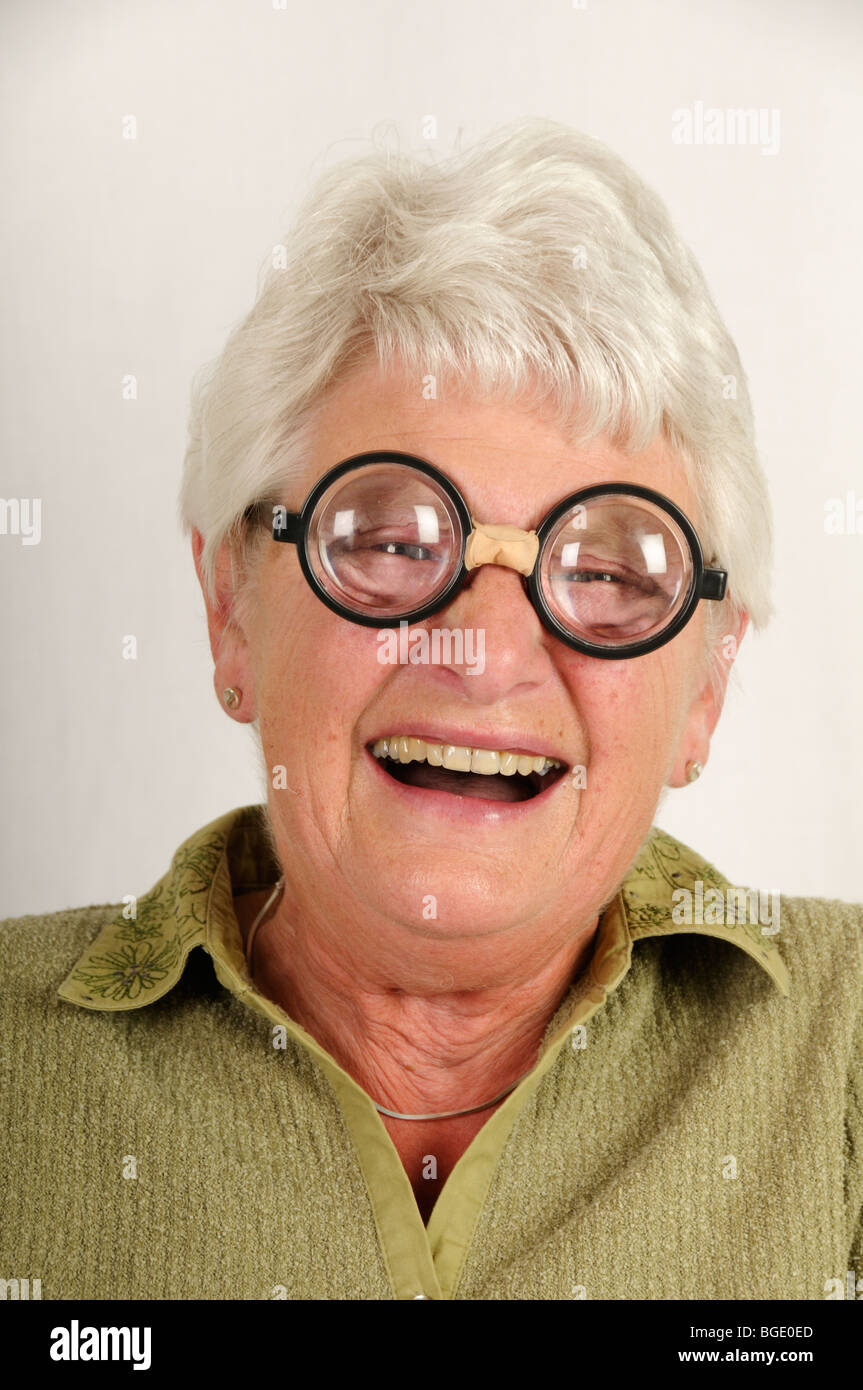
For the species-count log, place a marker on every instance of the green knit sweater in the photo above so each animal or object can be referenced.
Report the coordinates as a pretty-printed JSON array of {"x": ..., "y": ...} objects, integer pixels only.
[{"x": 693, "y": 1127}]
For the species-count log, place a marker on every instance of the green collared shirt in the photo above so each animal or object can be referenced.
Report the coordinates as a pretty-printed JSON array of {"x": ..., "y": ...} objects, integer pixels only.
[{"x": 685, "y": 1132}]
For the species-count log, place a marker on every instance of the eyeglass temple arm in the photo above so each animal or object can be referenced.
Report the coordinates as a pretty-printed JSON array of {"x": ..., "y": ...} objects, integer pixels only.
[
  {"x": 286, "y": 526},
  {"x": 713, "y": 584}
]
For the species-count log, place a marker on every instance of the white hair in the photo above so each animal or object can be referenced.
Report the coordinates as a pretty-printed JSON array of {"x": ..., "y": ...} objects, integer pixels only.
[{"x": 535, "y": 256}]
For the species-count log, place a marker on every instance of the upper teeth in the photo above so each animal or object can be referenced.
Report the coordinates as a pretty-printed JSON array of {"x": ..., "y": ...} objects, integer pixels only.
[{"x": 486, "y": 761}]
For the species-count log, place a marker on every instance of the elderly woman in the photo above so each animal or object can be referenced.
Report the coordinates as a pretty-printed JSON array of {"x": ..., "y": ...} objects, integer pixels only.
[{"x": 479, "y": 523}]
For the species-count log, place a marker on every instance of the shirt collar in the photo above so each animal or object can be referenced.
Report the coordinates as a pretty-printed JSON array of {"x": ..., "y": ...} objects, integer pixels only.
[{"x": 141, "y": 953}]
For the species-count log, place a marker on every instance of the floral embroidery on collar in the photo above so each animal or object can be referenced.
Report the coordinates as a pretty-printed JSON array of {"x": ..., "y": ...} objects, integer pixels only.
[
  {"x": 136, "y": 959},
  {"x": 664, "y": 867}
]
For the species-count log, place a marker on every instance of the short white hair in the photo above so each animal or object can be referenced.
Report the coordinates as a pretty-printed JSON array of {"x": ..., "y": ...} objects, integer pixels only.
[{"x": 534, "y": 256}]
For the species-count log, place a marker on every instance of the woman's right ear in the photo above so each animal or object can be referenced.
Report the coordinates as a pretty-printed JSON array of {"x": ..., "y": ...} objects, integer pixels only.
[
  {"x": 228, "y": 642},
  {"x": 220, "y": 603}
]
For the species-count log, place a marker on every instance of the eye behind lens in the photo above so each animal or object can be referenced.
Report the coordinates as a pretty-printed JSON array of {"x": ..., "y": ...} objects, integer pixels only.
[
  {"x": 615, "y": 569},
  {"x": 384, "y": 541}
]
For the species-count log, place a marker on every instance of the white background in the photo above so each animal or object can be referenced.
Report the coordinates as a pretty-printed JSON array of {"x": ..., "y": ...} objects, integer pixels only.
[{"x": 138, "y": 256}]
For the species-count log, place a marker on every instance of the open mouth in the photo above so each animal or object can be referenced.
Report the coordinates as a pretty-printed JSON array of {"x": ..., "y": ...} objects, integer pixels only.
[{"x": 486, "y": 773}]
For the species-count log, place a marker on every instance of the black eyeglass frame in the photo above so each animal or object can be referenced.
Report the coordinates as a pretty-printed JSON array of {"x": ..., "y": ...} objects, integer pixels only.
[{"x": 707, "y": 583}]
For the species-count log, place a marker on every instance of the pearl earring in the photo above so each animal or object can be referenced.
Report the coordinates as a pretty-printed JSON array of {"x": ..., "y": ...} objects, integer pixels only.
[
  {"x": 231, "y": 697},
  {"x": 693, "y": 771}
]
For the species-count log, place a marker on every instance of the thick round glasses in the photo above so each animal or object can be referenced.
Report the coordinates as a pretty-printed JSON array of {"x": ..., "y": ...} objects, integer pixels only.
[{"x": 614, "y": 570}]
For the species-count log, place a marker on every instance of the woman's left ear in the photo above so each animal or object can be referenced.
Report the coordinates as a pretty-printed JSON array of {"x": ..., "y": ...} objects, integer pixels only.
[{"x": 694, "y": 747}]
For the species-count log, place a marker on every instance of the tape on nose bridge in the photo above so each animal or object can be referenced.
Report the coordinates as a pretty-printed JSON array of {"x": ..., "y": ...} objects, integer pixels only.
[{"x": 502, "y": 545}]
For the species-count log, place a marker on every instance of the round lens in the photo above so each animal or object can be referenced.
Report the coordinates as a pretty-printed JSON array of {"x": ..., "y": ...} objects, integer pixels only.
[
  {"x": 384, "y": 540},
  {"x": 616, "y": 570}
]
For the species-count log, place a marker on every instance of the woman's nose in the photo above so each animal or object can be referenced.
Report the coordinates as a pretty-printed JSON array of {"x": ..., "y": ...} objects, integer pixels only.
[{"x": 494, "y": 613}]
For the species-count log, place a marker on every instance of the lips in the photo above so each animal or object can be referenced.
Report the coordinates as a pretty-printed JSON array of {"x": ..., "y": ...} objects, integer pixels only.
[{"x": 489, "y": 773}]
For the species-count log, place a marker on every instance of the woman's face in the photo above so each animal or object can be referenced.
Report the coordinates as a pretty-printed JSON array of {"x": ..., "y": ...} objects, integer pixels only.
[{"x": 427, "y": 861}]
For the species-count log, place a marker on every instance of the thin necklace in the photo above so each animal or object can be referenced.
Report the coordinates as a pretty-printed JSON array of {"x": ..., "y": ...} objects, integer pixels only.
[{"x": 394, "y": 1114}]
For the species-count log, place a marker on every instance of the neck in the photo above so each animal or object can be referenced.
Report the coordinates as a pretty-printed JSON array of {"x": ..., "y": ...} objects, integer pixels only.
[{"x": 422, "y": 1045}]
